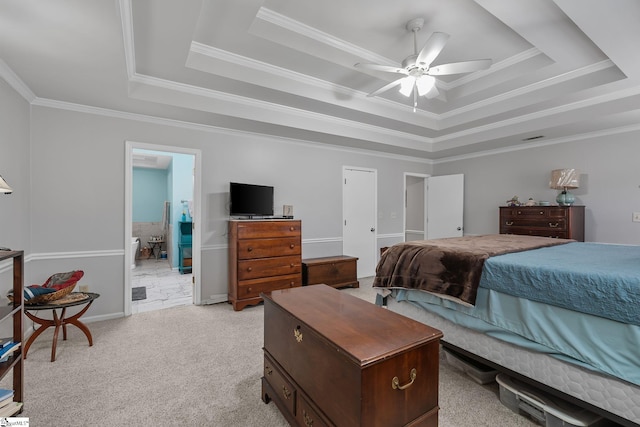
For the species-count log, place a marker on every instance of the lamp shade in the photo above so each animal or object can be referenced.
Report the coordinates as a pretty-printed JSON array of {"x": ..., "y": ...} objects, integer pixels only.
[
  {"x": 4, "y": 187},
  {"x": 561, "y": 179}
]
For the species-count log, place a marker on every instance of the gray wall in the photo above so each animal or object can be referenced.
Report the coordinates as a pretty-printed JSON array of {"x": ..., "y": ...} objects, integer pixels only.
[
  {"x": 77, "y": 197},
  {"x": 68, "y": 172},
  {"x": 609, "y": 183}
]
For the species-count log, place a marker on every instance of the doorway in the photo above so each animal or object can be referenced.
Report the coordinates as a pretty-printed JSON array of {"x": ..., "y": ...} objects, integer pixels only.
[
  {"x": 161, "y": 206},
  {"x": 434, "y": 206},
  {"x": 415, "y": 202},
  {"x": 359, "y": 207}
]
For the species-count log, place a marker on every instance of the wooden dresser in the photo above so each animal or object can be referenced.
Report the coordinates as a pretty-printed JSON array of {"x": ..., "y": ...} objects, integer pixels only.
[
  {"x": 565, "y": 222},
  {"x": 338, "y": 271},
  {"x": 334, "y": 359},
  {"x": 264, "y": 255}
]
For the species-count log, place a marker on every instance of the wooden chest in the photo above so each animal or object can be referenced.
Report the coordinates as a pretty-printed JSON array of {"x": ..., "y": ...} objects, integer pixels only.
[
  {"x": 334, "y": 359},
  {"x": 263, "y": 255},
  {"x": 565, "y": 222},
  {"x": 337, "y": 271}
]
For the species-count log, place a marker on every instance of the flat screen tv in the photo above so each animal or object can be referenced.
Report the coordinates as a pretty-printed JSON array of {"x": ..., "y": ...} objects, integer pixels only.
[{"x": 250, "y": 200}]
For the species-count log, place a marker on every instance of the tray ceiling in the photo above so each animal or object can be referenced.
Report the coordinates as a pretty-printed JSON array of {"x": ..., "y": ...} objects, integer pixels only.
[{"x": 561, "y": 68}]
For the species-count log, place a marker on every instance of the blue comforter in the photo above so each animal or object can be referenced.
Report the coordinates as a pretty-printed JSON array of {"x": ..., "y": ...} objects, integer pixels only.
[{"x": 595, "y": 278}]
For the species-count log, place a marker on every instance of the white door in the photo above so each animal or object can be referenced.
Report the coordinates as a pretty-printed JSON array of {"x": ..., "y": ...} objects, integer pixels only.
[
  {"x": 445, "y": 206},
  {"x": 359, "y": 218}
]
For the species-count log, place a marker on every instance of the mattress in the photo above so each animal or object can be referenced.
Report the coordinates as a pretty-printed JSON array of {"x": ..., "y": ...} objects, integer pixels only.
[
  {"x": 595, "y": 278},
  {"x": 612, "y": 395},
  {"x": 594, "y": 342}
]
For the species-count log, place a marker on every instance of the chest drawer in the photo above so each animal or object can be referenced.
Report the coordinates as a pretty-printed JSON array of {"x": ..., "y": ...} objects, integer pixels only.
[
  {"x": 337, "y": 271},
  {"x": 280, "y": 384},
  {"x": 344, "y": 355},
  {"x": 265, "y": 267},
  {"x": 263, "y": 248},
  {"x": 266, "y": 229},
  {"x": 557, "y": 223}
]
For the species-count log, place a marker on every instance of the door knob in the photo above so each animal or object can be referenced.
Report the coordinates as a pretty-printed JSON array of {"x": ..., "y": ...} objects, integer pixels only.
[
  {"x": 373, "y": 229},
  {"x": 459, "y": 228}
]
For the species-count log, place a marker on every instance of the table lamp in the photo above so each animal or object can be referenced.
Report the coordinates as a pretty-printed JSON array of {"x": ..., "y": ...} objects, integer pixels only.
[
  {"x": 4, "y": 187},
  {"x": 563, "y": 179}
]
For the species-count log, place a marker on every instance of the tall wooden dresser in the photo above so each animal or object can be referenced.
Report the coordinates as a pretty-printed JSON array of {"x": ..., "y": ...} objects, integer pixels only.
[
  {"x": 264, "y": 255},
  {"x": 564, "y": 222},
  {"x": 332, "y": 359}
]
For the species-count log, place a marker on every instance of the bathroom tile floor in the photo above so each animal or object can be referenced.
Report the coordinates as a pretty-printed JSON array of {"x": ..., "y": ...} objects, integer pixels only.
[{"x": 165, "y": 287}]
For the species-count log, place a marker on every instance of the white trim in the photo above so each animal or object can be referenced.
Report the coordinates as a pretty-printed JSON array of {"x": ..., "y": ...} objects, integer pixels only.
[
  {"x": 15, "y": 82},
  {"x": 126, "y": 18}
]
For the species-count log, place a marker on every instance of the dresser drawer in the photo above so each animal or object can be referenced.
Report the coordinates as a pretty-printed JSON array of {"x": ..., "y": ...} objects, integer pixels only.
[
  {"x": 266, "y": 229},
  {"x": 264, "y": 248},
  {"x": 266, "y": 267},
  {"x": 253, "y": 288},
  {"x": 553, "y": 223},
  {"x": 540, "y": 232},
  {"x": 283, "y": 389}
]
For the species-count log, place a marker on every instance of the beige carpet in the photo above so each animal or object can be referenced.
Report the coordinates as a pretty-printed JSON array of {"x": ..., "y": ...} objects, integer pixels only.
[{"x": 192, "y": 366}]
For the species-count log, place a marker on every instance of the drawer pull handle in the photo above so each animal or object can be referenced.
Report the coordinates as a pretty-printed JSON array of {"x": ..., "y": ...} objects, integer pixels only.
[
  {"x": 541, "y": 212},
  {"x": 249, "y": 269},
  {"x": 292, "y": 246},
  {"x": 553, "y": 225},
  {"x": 268, "y": 370},
  {"x": 297, "y": 334},
  {"x": 508, "y": 222},
  {"x": 292, "y": 265},
  {"x": 249, "y": 249},
  {"x": 395, "y": 382},
  {"x": 308, "y": 421},
  {"x": 291, "y": 228},
  {"x": 285, "y": 392}
]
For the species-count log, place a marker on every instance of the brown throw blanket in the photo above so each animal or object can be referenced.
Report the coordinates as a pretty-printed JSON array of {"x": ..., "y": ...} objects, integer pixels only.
[{"x": 450, "y": 266}]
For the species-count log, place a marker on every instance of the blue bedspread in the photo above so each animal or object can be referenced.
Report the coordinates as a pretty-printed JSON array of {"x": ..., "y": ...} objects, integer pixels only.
[{"x": 594, "y": 278}]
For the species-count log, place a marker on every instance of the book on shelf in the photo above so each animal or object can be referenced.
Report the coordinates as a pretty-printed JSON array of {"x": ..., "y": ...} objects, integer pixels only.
[
  {"x": 6, "y": 401},
  {"x": 10, "y": 409},
  {"x": 7, "y": 350},
  {"x": 5, "y": 341}
]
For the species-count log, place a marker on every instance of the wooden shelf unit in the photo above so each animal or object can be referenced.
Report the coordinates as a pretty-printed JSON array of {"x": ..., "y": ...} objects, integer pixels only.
[{"x": 15, "y": 312}]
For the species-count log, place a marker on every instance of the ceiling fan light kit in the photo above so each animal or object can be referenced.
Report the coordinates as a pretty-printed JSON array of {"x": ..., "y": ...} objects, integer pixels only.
[{"x": 417, "y": 67}]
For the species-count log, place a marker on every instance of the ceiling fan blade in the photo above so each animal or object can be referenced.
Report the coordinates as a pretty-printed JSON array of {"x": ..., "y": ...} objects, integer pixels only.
[
  {"x": 433, "y": 92},
  {"x": 385, "y": 88},
  {"x": 459, "y": 67},
  {"x": 432, "y": 49},
  {"x": 385, "y": 68}
]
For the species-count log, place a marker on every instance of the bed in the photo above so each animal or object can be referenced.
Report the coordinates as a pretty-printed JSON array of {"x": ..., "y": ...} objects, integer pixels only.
[{"x": 560, "y": 314}]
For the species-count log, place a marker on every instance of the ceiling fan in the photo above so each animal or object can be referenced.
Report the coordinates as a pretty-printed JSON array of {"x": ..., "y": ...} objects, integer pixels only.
[{"x": 417, "y": 68}]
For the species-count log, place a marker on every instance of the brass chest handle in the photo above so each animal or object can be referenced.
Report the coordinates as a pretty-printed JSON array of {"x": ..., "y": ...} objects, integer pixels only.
[
  {"x": 308, "y": 421},
  {"x": 508, "y": 222},
  {"x": 395, "y": 382},
  {"x": 552, "y": 225}
]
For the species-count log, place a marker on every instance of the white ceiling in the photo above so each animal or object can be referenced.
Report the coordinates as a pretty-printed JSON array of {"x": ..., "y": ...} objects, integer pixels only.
[{"x": 561, "y": 68}]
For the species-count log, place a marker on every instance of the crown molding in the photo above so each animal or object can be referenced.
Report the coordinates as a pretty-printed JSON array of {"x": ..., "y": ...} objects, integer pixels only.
[
  {"x": 16, "y": 82},
  {"x": 304, "y": 30},
  {"x": 553, "y": 141},
  {"x": 126, "y": 18}
]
